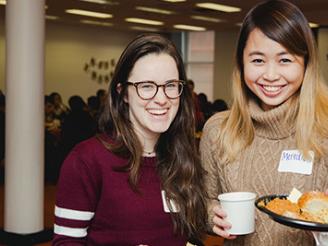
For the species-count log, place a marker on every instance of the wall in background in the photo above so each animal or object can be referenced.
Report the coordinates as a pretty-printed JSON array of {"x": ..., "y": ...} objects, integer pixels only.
[
  {"x": 68, "y": 48},
  {"x": 199, "y": 61},
  {"x": 223, "y": 64},
  {"x": 323, "y": 51}
]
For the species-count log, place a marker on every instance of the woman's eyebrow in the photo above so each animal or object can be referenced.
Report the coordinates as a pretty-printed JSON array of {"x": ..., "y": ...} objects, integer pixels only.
[{"x": 254, "y": 53}]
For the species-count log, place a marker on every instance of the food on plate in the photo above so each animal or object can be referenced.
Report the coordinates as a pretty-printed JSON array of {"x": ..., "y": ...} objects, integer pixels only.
[
  {"x": 283, "y": 207},
  {"x": 310, "y": 206},
  {"x": 316, "y": 204}
]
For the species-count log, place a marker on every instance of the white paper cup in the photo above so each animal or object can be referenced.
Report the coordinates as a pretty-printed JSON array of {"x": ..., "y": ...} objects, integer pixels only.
[{"x": 240, "y": 210}]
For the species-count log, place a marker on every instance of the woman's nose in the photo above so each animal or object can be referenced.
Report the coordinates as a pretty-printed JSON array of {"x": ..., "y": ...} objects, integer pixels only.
[
  {"x": 271, "y": 72},
  {"x": 160, "y": 96}
]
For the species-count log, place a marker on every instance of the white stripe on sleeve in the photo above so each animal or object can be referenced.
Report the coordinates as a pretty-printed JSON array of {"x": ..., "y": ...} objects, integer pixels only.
[
  {"x": 70, "y": 232},
  {"x": 66, "y": 213}
]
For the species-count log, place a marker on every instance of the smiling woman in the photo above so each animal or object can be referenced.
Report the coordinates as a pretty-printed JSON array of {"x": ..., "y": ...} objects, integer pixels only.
[
  {"x": 151, "y": 111},
  {"x": 140, "y": 181},
  {"x": 279, "y": 110},
  {"x": 271, "y": 72}
]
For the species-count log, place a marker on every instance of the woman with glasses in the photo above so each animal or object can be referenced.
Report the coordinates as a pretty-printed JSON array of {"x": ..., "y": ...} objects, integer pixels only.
[{"x": 140, "y": 181}]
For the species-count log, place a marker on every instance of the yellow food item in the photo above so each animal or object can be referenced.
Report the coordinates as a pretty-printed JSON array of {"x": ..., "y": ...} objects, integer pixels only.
[
  {"x": 311, "y": 206},
  {"x": 316, "y": 204},
  {"x": 281, "y": 206}
]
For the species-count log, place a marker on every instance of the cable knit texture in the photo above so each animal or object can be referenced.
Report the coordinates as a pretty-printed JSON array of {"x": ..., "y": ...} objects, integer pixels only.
[{"x": 256, "y": 170}]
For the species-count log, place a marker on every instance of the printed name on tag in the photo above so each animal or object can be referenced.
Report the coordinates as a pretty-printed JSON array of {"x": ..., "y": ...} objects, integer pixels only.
[
  {"x": 165, "y": 205},
  {"x": 293, "y": 161}
]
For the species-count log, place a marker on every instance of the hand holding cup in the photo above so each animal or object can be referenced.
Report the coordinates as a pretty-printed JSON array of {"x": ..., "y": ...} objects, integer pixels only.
[{"x": 240, "y": 212}]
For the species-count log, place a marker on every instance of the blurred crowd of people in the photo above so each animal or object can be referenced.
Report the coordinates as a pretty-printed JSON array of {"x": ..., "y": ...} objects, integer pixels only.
[{"x": 65, "y": 126}]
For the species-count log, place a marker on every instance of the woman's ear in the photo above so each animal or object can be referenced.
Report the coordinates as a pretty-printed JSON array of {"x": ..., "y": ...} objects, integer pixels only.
[{"x": 119, "y": 89}]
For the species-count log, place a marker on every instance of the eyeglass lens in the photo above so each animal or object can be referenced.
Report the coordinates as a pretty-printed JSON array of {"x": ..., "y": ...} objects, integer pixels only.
[{"x": 149, "y": 89}]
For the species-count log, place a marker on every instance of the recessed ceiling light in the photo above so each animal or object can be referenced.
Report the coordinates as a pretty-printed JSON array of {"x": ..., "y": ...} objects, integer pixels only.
[
  {"x": 154, "y": 10},
  {"x": 101, "y": 2},
  {"x": 52, "y": 17},
  {"x": 88, "y": 13},
  {"x": 313, "y": 25},
  {"x": 95, "y": 1},
  {"x": 142, "y": 28},
  {"x": 99, "y": 23},
  {"x": 219, "y": 7},
  {"x": 189, "y": 28},
  {"x": 144, "y": 21},
  {"x": 174, "y": 1},
  {"x": 204, "y": 18}
]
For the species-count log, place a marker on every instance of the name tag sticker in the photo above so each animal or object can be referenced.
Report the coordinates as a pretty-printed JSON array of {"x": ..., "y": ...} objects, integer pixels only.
[
  {"x": 292, "y": 161},
  {"x": 165, "y": 205}
]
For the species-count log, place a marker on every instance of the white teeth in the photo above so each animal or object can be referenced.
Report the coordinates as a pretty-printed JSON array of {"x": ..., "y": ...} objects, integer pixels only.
[
  {"x": 157, "y": 111},
  {"x": 271, "y": 88}
]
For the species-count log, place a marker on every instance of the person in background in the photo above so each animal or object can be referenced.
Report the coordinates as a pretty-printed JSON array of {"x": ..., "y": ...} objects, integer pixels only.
[
  {"x": 52, "y": 136},
  {"x": 102, "y": 97},
  {"x": 219, "y": 105},
  {"x": 93, "y": 107},
  {"x": 60, "y": 109},
  {"x": 280, "y": 107},
  {"x": 205, "y": 106},
  {"x": 78, "y": 125},
  {"x": 52, "y": 124},
  {"x": 140, "y": 181},
  {"x": 200, "y": 121}
]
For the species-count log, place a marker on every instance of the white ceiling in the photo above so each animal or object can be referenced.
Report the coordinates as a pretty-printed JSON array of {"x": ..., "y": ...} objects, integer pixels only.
[{"x": 315, "y": 10}]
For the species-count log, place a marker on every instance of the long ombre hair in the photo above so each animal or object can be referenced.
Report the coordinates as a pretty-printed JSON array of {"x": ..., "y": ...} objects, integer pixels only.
[
  {"x": 178, "y": 164},
  {"x": 284, "y": 23}
]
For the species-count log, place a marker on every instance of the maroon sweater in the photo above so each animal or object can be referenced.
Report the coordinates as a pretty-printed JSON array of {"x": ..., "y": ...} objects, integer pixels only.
[{"x": 96, "y": 206}]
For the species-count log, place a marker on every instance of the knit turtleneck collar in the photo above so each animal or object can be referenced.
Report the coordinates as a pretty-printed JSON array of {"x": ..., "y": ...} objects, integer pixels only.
[{"x": 272, "y": 124}]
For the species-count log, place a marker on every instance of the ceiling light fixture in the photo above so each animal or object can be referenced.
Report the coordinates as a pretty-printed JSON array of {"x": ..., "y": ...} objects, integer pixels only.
[
  {"x": 218, "y": 7},
  {"x": 52, "y": 17},
  {"x": 142, "y": 28},
  {"x": 204, "y": 18},
  {"x": 144, "y": 21},
  {"x": 313, "y": 25},
  {"x": 95, "y": 1},
  {"x": 108, "y": 2},
  {"x": 88, "y": 13},
  {"x": 99, "y": 23},
  {"x": 154, "y": 10},
  {"x": 174, "y": 1},
  {"x": 189, "y": 28}
]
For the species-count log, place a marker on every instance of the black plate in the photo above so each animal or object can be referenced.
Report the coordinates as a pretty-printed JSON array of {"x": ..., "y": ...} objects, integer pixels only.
[{"x": 301, "y": 224}]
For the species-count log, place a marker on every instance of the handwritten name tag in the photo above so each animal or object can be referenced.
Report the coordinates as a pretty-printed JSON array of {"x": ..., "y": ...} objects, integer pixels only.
[
  {"x": 165, "y": 205},
  {"x": 293, "y": 161}
]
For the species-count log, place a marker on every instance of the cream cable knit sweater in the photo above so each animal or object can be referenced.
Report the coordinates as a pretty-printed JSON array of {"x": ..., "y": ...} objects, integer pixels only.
[{"x": 256, "y": 170}]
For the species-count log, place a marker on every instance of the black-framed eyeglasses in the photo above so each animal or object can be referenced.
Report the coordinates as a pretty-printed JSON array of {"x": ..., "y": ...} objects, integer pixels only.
[{"x": 148, "y": 89}]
